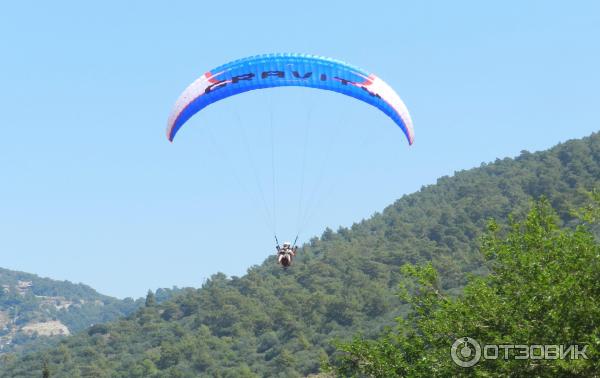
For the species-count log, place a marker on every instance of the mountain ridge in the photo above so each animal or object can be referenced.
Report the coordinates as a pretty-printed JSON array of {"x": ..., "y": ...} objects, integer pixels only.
[{"x": 38, "y": 310}]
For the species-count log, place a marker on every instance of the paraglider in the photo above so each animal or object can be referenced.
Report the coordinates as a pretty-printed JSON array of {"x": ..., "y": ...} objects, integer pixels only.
[
  {"x": 278, "y": 70},
  {"x": 286, "y": 254}
]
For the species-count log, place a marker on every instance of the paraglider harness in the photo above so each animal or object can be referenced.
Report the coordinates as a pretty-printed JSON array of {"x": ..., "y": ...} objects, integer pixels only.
[{"x": 285, "y": 254}]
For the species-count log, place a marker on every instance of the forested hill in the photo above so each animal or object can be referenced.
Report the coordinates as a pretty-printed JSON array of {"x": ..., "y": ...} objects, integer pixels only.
[
  {"x": 272, "y": 322},
  {"x": 35, "y": 310}
]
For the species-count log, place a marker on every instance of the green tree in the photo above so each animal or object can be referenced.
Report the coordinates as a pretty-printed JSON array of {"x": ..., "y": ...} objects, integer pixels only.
[
  {"x": 544, "y": 288},
  {"x": 150, "y": 299},
  {"x": 45, "y": 370}
]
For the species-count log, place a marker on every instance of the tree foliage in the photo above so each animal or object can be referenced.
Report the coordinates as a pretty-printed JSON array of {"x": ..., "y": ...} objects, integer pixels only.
[{"x": 543, "y": 289}]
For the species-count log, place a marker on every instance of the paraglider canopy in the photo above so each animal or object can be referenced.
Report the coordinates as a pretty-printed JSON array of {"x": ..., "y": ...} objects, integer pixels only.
[{"x": 275, "y": 70}]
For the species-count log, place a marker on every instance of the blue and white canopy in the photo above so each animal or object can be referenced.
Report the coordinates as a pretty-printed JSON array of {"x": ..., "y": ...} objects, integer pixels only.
[{"x": 276, "y": 70}]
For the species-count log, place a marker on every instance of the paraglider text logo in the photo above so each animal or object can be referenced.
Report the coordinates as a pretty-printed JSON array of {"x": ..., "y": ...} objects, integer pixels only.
[{"x": 217, "y": 84}]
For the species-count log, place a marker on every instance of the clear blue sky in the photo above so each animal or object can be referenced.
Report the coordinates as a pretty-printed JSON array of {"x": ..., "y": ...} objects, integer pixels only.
[{"x": 93, "y": 192}]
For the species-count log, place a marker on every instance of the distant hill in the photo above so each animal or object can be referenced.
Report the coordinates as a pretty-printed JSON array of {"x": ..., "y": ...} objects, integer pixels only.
[
  {"x": 279, "y": 323},
  {"x": 35, "y": 311}
]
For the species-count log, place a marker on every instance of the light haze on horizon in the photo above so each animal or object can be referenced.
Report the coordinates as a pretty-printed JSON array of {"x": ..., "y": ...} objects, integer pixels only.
[{"x": 93, "y": 192}]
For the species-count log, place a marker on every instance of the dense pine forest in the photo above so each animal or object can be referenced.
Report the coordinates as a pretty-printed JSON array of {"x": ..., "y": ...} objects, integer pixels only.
[{"x": 336, "y": 310}]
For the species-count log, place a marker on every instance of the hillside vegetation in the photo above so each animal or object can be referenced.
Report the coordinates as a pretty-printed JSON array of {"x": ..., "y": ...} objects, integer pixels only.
[
  {"x": 537, "y": 314},
  {"x": 272, "y": 322},
  {"x": 35, "y": 311}
]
